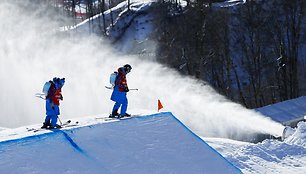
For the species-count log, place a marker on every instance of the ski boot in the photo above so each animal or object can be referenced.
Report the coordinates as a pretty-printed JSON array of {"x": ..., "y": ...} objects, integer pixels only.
[
  {"x": 46, "y": 125},
  {"x": 55, "y": 127},
  {"x": 124, "y": 115},
  {"x": 114, "y": 114}
]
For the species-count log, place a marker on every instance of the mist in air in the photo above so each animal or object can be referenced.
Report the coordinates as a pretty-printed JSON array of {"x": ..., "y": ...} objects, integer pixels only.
[{"x": 33, "y": 51}]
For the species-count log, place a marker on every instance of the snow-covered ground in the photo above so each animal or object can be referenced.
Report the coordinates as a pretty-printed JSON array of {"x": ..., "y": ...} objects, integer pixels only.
[
  {"x": 144, "y": 144},
  {"x": 269, "y": 156}
]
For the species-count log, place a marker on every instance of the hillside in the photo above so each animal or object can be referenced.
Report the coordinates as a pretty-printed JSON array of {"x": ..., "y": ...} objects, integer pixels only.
[{"x": 250, "y": 51}]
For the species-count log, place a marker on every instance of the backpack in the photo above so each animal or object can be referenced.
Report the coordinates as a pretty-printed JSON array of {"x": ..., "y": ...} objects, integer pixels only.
[
  {"x": 48, "y": 89},
  {"x": 112, "y": 78}
]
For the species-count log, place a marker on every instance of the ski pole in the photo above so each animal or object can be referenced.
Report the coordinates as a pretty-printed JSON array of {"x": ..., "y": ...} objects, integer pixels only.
[
  {"x": 42, "y": 96},
  {"x": 133, "y": 89},
  {"x": 59, "y": 120}
]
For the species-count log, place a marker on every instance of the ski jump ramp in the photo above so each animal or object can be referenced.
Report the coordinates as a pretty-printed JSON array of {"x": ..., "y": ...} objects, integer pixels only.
[{"x": 157, "y": 143}]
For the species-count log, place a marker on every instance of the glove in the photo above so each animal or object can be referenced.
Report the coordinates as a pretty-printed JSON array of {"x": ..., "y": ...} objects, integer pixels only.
[{"x": 126, "y": 89}]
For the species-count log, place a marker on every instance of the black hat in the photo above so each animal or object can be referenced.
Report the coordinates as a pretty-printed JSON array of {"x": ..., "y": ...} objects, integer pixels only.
[{"x": 127, "y": 68}]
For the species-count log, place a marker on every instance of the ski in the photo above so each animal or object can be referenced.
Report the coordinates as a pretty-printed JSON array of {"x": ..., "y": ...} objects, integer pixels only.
[
  {"x": 64, "y": 125},
  {"x": 36, "y": 129},
  {"x": 70, "y": 125},
  {"x": 113, "y": 118}
]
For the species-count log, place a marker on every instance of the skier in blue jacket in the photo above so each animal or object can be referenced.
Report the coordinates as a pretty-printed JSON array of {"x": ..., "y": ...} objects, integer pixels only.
[
  {"x": 52, "y": 103},
  {"x": 119, "y": 92}
]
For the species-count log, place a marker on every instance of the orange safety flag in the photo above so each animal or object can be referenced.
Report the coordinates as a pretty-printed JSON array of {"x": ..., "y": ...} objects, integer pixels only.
[{"x": 160, "y": 106}]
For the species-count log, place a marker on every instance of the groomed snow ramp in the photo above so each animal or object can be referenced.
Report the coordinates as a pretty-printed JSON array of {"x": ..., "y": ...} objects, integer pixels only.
[{"x": 157, "y": 143}]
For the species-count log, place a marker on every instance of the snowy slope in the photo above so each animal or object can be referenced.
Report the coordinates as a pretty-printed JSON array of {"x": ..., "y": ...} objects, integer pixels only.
[
  {"x": 118, "y": 20},
  {"x": 128, "y": 29},
  {"x": 132, "y": 28},
  {"x": 146, "y": 144},
  {"x": 270, "y": 156},
  {"x": 287, "y": 111}
]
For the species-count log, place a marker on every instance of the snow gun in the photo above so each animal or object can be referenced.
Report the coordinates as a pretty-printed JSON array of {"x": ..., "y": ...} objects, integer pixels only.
[{"x": 287, "y": 132}]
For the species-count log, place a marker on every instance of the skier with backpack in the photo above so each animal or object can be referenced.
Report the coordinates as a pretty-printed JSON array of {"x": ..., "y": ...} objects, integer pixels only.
[
  {"x": 119, "y": 92},
  {"x": 52, "y": 91}
]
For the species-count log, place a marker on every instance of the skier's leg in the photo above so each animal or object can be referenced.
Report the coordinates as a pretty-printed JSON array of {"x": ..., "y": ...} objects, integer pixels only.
[
  {"x": 46, "y": 123},
  {"x": 124, "y": 106},
  {"x": 54, "y": 116},
  {"x": 47, "y": 119},
  {"x": 115, "y": 108},
  {"x": 53, "y": 121},
  {"x": 49, "y": 113}
]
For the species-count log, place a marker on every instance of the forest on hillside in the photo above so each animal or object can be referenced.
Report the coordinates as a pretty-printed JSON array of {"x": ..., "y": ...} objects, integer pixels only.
[{"x": 252, "y": 53}]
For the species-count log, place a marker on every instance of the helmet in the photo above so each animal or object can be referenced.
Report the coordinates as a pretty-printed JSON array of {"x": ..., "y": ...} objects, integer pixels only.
[
  {"x": 127, "y": 68},
  {"x": 55, "y": 79},
  {"x": 62, "y": 82},
  {"x": 59, "y": 82}
]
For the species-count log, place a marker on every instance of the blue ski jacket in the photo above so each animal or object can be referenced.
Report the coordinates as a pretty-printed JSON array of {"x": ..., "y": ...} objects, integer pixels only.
[{"x": 120, "y": 89}]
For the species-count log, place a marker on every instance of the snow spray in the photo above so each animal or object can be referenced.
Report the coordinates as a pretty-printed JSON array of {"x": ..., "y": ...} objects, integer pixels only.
[{"x": 33, "y": 52}]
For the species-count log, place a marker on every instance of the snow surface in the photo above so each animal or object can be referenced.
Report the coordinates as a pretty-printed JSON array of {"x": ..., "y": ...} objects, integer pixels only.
[
  {"x": 130, "y": 26},
  {"x": 228, "y": 3},
  {"x": 145, "y": 144},
  {"x": 270, "y": 156},
  {"x": 158, "y": 143},
  {"x": 285, "y": 111}
]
